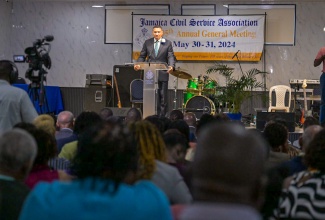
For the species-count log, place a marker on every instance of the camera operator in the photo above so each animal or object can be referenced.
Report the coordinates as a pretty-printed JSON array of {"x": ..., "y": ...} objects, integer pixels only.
[{"x": 15, "y": 104}]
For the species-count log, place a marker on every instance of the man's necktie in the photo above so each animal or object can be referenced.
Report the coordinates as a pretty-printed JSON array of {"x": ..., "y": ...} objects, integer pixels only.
[{"x": 156, "y": 47}]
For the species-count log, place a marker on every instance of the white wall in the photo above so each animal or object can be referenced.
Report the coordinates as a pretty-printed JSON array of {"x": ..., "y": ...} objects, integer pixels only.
[
  {"x": 78, "y": 48},
  {"x": 5, "y": 25}
]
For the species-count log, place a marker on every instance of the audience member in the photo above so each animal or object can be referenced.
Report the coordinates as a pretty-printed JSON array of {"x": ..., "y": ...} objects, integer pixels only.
[
  {"x": 176, "y": 147},
  {"x": 162, "y": 123},
  {"x": 105, "y": 113},
  {"x": 46, "y": 123},
  {"x": 277, "y": 136},
  {"x": 296, "y": 164},
  {"x": 190, "y": 119},
  {"x": 15, "y": 104},
  {"x": 204, "y": 120},
  {"x": 308, "y": 122},
  {"x": 153, "y": 164},
  {"x": 231, "y": 188},
  {"x": 46, "y": 149},
  {"x": 181, "y": 126},
  {"x": 176, "y": 115},
  {"x": 83, "y": 121},
  {"x": 106, "y": 164},
  {"x": 221, "y": 117},
  {"x": 64, "y": 124},
  {"x": 133, "y": 115},
  {"x": 303, "y": 198},
  {"x": 17, "y": 152}
]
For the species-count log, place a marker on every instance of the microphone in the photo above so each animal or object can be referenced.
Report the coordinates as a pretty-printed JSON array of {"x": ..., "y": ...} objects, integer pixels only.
[
  {"x": 49, "y": 38},
  {"x": 235, "y": 54}
]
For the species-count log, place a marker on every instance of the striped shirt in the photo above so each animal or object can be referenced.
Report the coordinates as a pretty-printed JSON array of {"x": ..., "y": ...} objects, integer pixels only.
[{"x": 304, "y": 199}]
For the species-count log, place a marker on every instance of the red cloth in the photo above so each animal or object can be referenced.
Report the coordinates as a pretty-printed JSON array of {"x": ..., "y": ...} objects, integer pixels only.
[{"x": 41, "y": 173}]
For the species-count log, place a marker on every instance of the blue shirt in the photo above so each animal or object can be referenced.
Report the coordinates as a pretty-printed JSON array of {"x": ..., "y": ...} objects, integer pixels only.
[{"x": 95, "y": 199}]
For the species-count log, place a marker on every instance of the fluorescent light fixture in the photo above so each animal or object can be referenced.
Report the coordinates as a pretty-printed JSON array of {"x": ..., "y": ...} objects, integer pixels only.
[{"x": 97, "y": 6}]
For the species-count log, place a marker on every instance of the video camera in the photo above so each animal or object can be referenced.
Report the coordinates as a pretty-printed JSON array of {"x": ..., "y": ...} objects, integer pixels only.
[{"x": 37, "y": 57}]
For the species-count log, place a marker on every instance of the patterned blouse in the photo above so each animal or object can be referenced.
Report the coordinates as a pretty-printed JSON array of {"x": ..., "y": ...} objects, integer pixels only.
[{"x": 304, "y": 198}]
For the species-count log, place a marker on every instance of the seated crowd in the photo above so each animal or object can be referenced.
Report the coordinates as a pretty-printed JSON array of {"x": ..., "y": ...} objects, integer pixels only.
[{"x": 100, "y": 166}]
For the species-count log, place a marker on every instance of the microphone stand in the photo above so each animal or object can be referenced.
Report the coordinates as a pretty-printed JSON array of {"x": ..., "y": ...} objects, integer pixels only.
[
  {"x": 241, "y": 70},
  {"x": 236, "y": 55}
]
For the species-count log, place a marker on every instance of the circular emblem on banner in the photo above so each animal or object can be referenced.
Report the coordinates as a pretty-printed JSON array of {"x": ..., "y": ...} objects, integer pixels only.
[{"x": 149, "y": 75}]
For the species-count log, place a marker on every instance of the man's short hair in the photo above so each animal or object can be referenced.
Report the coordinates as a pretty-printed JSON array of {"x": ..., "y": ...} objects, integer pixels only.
[{"x": 17, "y": 147}]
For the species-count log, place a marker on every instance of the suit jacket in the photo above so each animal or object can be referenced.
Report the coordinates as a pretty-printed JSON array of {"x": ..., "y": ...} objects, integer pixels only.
[
  {"x": 165, "y": 54},
  {"x": 12, "y": 197},
  {"x": 63, "y": 133}
]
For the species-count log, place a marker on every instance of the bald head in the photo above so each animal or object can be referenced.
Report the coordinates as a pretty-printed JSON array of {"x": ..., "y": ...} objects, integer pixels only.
[
  {"x": 190, "y": 119},
  {"x": 228, "y": 164},
  {"x": 65, "y": 119},
  {"x": 308, "y": 135}
]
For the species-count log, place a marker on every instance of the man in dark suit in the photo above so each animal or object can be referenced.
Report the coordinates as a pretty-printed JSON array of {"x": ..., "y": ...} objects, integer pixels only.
[
  {"x": 65, "y": 124},
  {"x": 159, "y": 49}
]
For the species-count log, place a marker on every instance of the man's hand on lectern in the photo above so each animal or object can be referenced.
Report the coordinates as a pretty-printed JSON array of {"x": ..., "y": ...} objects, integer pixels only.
[{"x": 170, "y": 69}]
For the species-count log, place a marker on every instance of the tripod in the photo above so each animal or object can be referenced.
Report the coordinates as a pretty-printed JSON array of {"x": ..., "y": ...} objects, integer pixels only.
[{"x": 36, "y": 91}]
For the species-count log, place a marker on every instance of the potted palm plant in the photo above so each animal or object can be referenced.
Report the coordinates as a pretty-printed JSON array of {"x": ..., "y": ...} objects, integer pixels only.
[{"x": 237, "y": 88}]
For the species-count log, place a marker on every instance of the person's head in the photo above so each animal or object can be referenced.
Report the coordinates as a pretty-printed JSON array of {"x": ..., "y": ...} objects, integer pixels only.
[
  {"x": 108, "y": 151},
  {"x": 315, "y": 152},
  {"x": 8, "y": 71},
  {"x": 157, "y": 32},
  {"x": 46, "y": 123},
  {"x": 176, "y": 115},
  {"x": 65, "y": 120},
  {"x": 221, "y": 117},
  {"x": 158, "y": 122},
  {"x": 105, "y": 113},
  {"x": 17, "y": 152},
  {"x": 133, "y": 115},
  {"x": 176, "y": 146},
  {"x": 308, "y": 136},
  {"x": 204, "y": 120},
  {"x": 46, "y": 145},
  {"x": 182, "y": 126},
  {"x": 309, "y": 120},
  {"x": 228, "y": 165},
  {"x": 85, "y": 120},
  {"x": 276, "y": 135},
  {"x": 151, "y": 147},
  {"x": 190, "y": 119}
]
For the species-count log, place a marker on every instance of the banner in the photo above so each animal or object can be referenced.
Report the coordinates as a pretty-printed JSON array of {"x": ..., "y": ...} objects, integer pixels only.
[{"x": 203, "y": 38}]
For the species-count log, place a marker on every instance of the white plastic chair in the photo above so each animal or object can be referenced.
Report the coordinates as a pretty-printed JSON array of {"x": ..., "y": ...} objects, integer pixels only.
[{"x": 280, "y": 92}]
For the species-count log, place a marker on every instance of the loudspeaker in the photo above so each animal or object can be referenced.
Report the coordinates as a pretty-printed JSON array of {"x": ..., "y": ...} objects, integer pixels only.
[
  {"x": 124, "y": 75},
  {"x": 262, "y": 117},
  {"x": 96, "y": 97}
]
